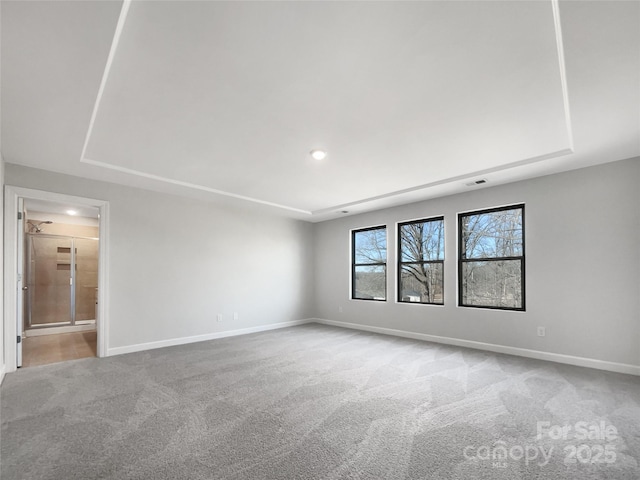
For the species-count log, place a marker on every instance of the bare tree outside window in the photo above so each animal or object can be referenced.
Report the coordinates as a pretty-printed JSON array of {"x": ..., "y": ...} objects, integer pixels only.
[
  {"x": 491, "y": 266},
  {"x": 369, "y": 264},
  {"x": 420, "y": 268}
]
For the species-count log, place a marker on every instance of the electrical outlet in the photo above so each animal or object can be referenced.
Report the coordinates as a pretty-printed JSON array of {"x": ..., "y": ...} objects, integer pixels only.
[
  {"x": 541, "y": 331},
  {"x": 219, "y": 317},
  {"x": 236, "y": 316}
]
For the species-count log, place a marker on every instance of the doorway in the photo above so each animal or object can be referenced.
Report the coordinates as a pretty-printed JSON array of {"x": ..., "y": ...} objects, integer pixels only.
[
  {"x": 55, "y": 277},
  {"x": 61, "y": 257}
]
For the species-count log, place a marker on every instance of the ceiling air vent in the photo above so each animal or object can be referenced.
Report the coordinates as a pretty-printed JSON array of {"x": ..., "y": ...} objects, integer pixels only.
[{"x": 480, "y": 181}]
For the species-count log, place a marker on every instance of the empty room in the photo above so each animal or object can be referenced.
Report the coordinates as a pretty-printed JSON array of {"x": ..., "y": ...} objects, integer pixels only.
[{"x": 320, "y": 240}]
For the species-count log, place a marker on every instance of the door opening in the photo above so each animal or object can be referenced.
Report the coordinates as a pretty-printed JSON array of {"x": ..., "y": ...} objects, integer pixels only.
[
  {"x": 55, "y": 277},
  {"x": 60, "y": 282}
]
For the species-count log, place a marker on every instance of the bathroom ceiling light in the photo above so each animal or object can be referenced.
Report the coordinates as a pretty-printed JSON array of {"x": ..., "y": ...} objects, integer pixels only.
[
  {"x": 71, "y": 212},
  {"x": 318, "y": 154}
]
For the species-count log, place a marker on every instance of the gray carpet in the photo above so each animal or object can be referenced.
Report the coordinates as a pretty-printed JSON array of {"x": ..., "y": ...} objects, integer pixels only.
[{"x": 316, "y": 402}]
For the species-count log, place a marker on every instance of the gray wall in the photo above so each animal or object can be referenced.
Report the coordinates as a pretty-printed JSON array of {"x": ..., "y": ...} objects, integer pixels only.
[
  {"x": 582, "y": 261},
  {"x": 2, "y": 360},
  {"x": 2, "y": 352},
  {"x": 175, "y": 262}
]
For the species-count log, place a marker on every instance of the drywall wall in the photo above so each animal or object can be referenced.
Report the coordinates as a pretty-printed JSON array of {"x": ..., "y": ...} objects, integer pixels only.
[
  {"x": 2, "y": 352},
  {"x": 175, "y": 263},
  {"x": 582, "y": 267}
]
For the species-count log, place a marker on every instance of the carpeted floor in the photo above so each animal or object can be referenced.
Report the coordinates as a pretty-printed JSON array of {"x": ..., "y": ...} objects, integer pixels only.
[{"x": 317, "y": 402}]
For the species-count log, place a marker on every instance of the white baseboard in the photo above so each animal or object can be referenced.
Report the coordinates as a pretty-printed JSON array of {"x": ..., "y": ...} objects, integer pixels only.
[
  {"x": 201, "y": 338},
  {"x": 521, "y": 352}
]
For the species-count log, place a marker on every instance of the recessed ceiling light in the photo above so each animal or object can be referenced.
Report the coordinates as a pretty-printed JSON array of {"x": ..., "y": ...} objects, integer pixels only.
[
  {"x": 318, "y": 154},
  {"x": 71, "y": 212}
]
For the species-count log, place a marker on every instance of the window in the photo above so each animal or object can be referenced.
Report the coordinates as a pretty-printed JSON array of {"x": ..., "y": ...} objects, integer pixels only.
[
  {"x": 491, "y": 264},
  {"x": 421, "y": 261},
  {"x": 369, "y": 264}
]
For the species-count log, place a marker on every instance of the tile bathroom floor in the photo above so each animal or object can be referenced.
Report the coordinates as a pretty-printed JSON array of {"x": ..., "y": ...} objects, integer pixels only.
[{"x": 45, "y": 349}]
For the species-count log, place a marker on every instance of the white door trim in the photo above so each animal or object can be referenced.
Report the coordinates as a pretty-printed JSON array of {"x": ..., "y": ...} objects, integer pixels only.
[
  {"x": 20, "y": 280},
  {"x": 11, "y": 195}
]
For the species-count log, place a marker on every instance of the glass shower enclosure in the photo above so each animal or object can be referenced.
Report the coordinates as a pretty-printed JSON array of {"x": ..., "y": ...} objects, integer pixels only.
[{"x": 62, "y": 280}]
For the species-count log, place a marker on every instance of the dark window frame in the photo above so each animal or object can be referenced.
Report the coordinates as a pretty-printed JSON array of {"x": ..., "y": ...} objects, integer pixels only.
[
  {"x": 354, "y": 232},
  {"x": 401, "y": 263},
  {"x": 462, "y": 260}
]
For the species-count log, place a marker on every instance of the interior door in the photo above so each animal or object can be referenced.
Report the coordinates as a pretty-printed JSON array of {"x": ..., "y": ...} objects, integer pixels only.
[{"x": 21, "y": 288}]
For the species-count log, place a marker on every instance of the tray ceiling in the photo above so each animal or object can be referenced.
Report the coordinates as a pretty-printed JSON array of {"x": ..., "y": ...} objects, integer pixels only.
[{"x": 226, "y": 99}]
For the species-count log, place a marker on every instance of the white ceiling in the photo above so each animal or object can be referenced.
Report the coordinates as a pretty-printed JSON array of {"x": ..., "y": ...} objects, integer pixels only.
[
  {"x": 60, "y": 209},
  {"x": 412, "y": 100}
]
